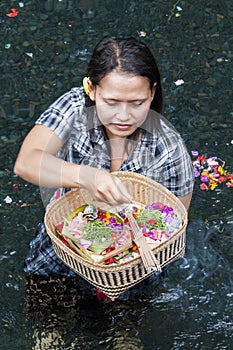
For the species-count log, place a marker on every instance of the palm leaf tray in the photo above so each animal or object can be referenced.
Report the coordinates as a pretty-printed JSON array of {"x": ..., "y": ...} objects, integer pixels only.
[{"x": 115, "y": 279}]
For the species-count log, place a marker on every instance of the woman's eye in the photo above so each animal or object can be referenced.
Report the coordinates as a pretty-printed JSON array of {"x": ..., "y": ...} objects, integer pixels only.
[
  {"x": 111, "y": 103},
  {"x": 137, "y": 104},
  {"x": 133, "y": 104}
]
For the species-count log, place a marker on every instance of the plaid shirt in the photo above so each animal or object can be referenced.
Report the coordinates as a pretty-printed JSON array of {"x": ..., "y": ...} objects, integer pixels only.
[{"x": 160, "y": 154}]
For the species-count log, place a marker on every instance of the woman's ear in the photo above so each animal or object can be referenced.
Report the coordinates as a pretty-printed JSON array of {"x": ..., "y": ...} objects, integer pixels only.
[
  {"x": 91, "y": 90},
  {"x": 153, "y": 90}
]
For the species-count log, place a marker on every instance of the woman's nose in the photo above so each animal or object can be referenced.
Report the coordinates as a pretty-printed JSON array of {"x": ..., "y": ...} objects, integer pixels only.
[{"x": 124, "y": 112}]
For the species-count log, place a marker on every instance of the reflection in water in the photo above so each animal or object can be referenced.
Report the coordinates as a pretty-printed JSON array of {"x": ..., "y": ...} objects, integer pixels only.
[
  {"x": 86, "y": 324},
  {"x": 62, "y": 311}
]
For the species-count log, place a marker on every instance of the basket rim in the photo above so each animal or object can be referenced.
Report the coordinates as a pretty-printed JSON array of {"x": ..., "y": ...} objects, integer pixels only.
[
  {"x": 127, "y": 174},
  {"x": 135, "y": 261}
]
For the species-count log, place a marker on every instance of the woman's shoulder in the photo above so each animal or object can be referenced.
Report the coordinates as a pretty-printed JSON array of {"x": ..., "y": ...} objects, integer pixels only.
[
  {"x": 78, "y": 93},
  {"x": 61, "y": 114},
  {"x": 75, "y": 96}
]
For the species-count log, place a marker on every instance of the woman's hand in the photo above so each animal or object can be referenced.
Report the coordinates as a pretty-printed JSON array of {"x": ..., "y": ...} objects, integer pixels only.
[{"x": 103, "y": 186}]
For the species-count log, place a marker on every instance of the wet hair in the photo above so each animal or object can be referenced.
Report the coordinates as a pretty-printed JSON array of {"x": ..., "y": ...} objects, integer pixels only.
[{"x": 127, "y": 55}]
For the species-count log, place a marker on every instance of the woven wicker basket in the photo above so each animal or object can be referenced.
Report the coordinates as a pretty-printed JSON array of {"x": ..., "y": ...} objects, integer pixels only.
[{"x": 113, "y": 280}]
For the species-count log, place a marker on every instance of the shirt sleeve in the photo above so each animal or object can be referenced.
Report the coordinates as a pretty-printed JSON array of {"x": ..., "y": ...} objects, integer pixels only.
[
  {"x": 178, "y": 170},
  {"x": 60, "y": 116},
  {"x": 169, "y": 163}
]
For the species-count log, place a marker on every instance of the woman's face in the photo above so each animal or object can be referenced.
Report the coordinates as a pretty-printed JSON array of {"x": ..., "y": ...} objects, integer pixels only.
[{"x": 122, "y": 102}]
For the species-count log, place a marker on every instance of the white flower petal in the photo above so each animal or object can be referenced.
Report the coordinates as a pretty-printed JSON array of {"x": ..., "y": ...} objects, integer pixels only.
[
  {"x": 179, "y": 82},
  {"x": 8, "y": 200}
]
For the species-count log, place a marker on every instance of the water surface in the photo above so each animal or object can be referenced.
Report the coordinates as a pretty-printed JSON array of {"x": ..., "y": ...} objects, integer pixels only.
[{"x": 44, "y": 52}]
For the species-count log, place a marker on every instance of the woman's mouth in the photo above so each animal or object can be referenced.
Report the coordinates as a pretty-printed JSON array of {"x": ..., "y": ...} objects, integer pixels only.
[{"x": 122, "y": 127}]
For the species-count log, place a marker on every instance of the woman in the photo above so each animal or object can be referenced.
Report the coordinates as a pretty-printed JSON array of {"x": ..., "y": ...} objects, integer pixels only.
[{"x": 113, "y": 125}]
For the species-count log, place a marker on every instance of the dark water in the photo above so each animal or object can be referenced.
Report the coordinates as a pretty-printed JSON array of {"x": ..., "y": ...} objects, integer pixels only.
[{"x": 44, "y": 52}]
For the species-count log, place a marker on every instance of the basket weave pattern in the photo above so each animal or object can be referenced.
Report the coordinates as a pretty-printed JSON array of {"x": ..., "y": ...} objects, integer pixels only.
[{"x": 113, "y": 280}]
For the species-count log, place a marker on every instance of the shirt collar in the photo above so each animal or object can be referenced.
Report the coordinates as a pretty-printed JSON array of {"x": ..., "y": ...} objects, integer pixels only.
[{"x": 97, "y": 135}]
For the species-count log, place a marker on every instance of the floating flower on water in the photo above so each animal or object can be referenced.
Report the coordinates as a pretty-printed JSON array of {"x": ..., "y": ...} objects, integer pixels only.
[
  {"x": 212, "y": 161},
  {"x": 204, "y": 187},
  {"x": 196, "y": 172},
  {"x": 204, "y": 178},
  {"x": 210, "y": 171},
  {"x": 179, "y": 82},
  {"x": 14, "y": 12},
  {"x": 195, "y": 153},
  {"x": 7, "y": 46},
  {"x": 142, "y": 34},
  {"x": 29, "y": 54},
  {"x": 8, "y": 200},
  {"x": 213, "y": 185},
  {"x": 222, "y": 179}
]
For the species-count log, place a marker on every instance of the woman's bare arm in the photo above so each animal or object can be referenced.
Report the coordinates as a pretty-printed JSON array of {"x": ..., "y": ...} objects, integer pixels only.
[
  {"x": 186, "y": 200},
  {"x": 37, "y": 163}
]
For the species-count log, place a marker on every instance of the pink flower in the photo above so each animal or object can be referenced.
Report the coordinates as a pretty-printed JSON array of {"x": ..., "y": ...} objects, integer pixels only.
[
  {"x": 155, "y": 234},
  {"x": 222, "y": 179},
  {"x": 14, "y": 12},
  {"x": 85, "y": 243},
  {"x": 204, "y": 187},
  {"x": 75, "y": 224}
]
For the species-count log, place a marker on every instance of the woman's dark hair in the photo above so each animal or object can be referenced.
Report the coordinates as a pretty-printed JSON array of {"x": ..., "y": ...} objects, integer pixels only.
[{"x": 127, "y": 55}]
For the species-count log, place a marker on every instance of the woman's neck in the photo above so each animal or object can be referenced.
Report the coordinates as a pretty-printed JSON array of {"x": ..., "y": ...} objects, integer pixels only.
[{"x": 118, "y": 153}]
